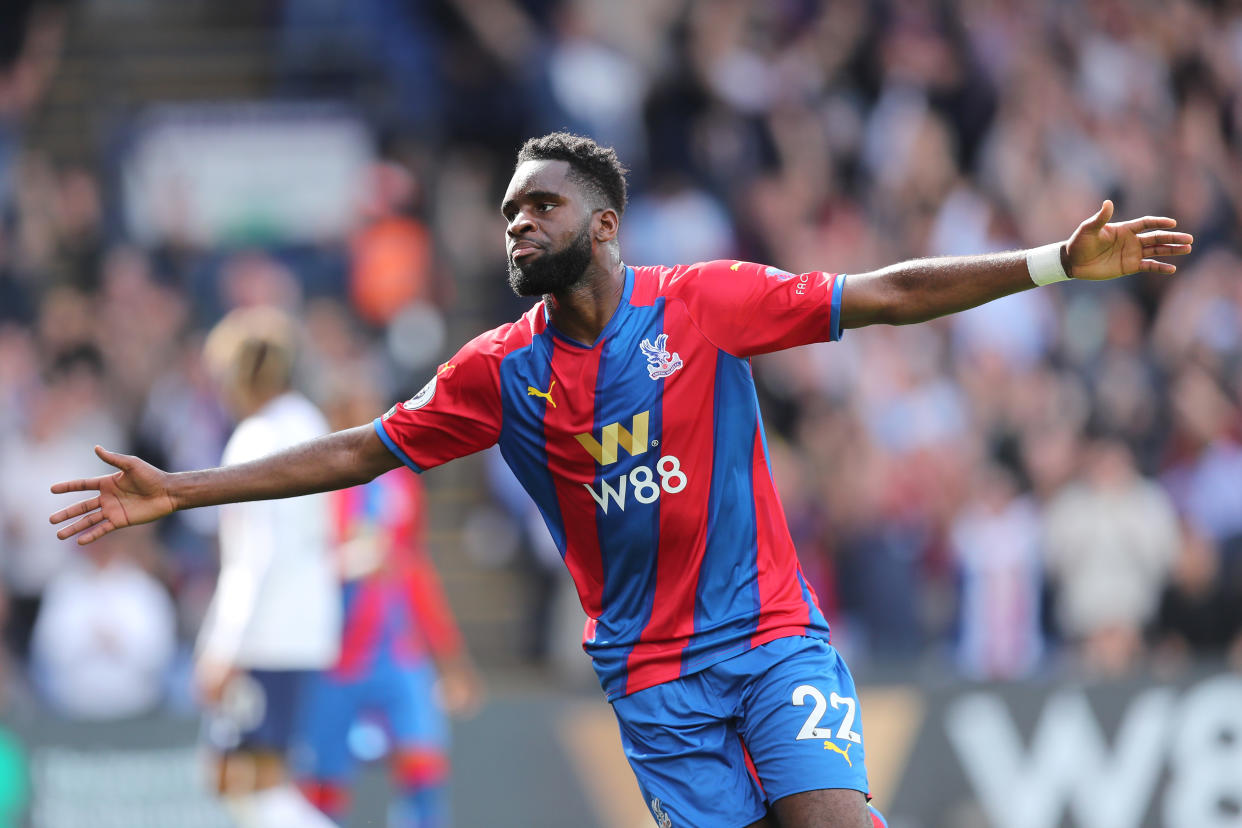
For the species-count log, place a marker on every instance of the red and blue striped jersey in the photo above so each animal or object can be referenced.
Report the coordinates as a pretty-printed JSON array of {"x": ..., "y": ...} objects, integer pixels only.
[
  {"x": 394, "y": 609},
  {"x": 646, "y": 456}
]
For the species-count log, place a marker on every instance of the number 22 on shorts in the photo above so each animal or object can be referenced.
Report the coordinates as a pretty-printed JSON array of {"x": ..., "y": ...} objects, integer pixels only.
[{"x": 811, "y": 729}]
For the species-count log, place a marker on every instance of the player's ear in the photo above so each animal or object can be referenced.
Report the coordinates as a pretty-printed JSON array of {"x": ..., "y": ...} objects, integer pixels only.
[{"x": 604, "y": 225}]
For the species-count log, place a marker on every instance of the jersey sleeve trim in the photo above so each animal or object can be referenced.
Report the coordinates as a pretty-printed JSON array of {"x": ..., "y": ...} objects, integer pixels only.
[
  {"x": 393, "y": 447},
  {"x": 834, "y": 319}
]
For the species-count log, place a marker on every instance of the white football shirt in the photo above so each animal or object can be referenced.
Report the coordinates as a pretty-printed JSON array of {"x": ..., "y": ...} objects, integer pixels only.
[{"x": 277, "y": 604}]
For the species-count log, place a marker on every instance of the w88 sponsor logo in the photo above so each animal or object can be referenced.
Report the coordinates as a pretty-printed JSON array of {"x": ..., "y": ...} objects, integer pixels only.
[{"x": 640, "y": 484}]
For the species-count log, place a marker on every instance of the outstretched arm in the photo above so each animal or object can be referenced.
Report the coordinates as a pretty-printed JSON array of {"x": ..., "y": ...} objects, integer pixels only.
[
  {"x": 140, "y": 493},
  {"x": 923, "y": 289}
]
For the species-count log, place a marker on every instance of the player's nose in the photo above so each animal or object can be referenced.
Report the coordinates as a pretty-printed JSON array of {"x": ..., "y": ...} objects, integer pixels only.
[{"x": 520, "y": 223}]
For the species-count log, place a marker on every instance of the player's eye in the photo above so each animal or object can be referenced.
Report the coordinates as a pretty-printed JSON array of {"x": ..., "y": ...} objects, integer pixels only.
[{"x": 546, "y": 206}]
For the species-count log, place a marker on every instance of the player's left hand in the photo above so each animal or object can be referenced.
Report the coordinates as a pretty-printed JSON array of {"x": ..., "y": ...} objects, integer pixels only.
[
  {"x": 460, "y": 688},
  {"x": 1099, "y": 250}
]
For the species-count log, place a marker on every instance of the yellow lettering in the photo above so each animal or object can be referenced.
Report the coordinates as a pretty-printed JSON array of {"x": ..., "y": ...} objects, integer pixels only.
[{"x": 633, "y": 441}]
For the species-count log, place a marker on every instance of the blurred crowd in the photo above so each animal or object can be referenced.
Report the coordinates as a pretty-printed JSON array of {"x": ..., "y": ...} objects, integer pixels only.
[{"x": 1050, "y": 482}]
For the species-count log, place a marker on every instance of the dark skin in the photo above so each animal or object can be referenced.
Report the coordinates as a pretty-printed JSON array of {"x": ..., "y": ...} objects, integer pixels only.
[{"x": 545, "y": 208}]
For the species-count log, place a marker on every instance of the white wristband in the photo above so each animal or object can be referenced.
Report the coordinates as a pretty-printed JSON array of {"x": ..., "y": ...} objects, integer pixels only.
[{"x": 1044, "y": 264}]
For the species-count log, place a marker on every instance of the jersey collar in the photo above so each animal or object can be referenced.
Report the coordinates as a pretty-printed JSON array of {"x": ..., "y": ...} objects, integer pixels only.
[{"x": 615, "y": 320}]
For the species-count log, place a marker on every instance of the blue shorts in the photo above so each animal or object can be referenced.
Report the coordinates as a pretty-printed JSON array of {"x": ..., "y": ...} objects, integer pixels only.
[
  {"x": 256, "y": 712},
  {"x": 400, "y": 698},
  {"x": 717, "y": 747}
]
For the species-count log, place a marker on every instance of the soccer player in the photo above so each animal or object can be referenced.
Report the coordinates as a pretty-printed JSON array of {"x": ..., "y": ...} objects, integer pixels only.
[
  {"x": 275, "y": 614},
  {"x": 402, "y": 663},
  {"x": 623, "y": 401}
]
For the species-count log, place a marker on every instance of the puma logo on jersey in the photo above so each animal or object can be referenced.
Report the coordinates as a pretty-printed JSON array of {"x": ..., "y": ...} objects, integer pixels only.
[
  {"x": 845, "y": 753},
  {"x": 660, "y": 363},
  {"x": 532, "y": 391}
]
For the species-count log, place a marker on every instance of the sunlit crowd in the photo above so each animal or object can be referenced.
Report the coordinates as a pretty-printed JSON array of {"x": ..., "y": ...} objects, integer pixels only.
[{"x": 1050, "y": 483}]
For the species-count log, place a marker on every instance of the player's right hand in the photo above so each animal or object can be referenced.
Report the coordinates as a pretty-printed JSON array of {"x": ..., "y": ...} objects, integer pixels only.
[
  {"x": 137, "y": 493},
  {"x": 212, "y": 677}
]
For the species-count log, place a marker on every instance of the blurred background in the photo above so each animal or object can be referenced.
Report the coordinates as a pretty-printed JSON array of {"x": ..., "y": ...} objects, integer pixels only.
[{"x": 1024, "y": 522}]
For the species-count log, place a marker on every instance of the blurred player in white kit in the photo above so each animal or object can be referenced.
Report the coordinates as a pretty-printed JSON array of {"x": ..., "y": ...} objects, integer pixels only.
[{"x": 275, "y": 615}]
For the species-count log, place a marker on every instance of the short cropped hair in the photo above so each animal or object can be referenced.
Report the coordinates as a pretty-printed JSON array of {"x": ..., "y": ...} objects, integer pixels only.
[{"x": 594, "y": 167}]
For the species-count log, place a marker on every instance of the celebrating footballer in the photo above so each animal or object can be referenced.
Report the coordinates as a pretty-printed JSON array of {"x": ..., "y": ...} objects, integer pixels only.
[{"x": 623, "y": 401}]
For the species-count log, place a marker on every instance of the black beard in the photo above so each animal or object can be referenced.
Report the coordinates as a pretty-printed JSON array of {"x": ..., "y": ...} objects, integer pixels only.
[{"x": 552, "y": 272}]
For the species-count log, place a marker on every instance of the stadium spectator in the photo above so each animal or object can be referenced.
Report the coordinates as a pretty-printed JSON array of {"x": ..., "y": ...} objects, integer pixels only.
[
  {"x": 1110, "y": 539},
  {"x": 995, "y": 544},
  {"x": 62, "y": 417},
  {"x": 1205, "y": 479},
  {"x": 106, "y": 635},
  {"x": 1199, "y": 617},
  {"x": 29, "y": 56},
  {"x": 678, "y": 222},
  {"x": 393, "y": 261}
]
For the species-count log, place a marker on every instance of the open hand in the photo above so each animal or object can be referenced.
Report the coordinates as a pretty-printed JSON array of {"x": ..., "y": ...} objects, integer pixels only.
[
  {"x": 1099, "y": 250},
  {"x": 138, "y": 493}
]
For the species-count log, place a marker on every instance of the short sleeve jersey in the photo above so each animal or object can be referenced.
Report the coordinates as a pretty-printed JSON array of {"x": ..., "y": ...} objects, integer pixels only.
[
  {"x": 645, "y": 454},
  {"x": 395, "y": 612}
]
